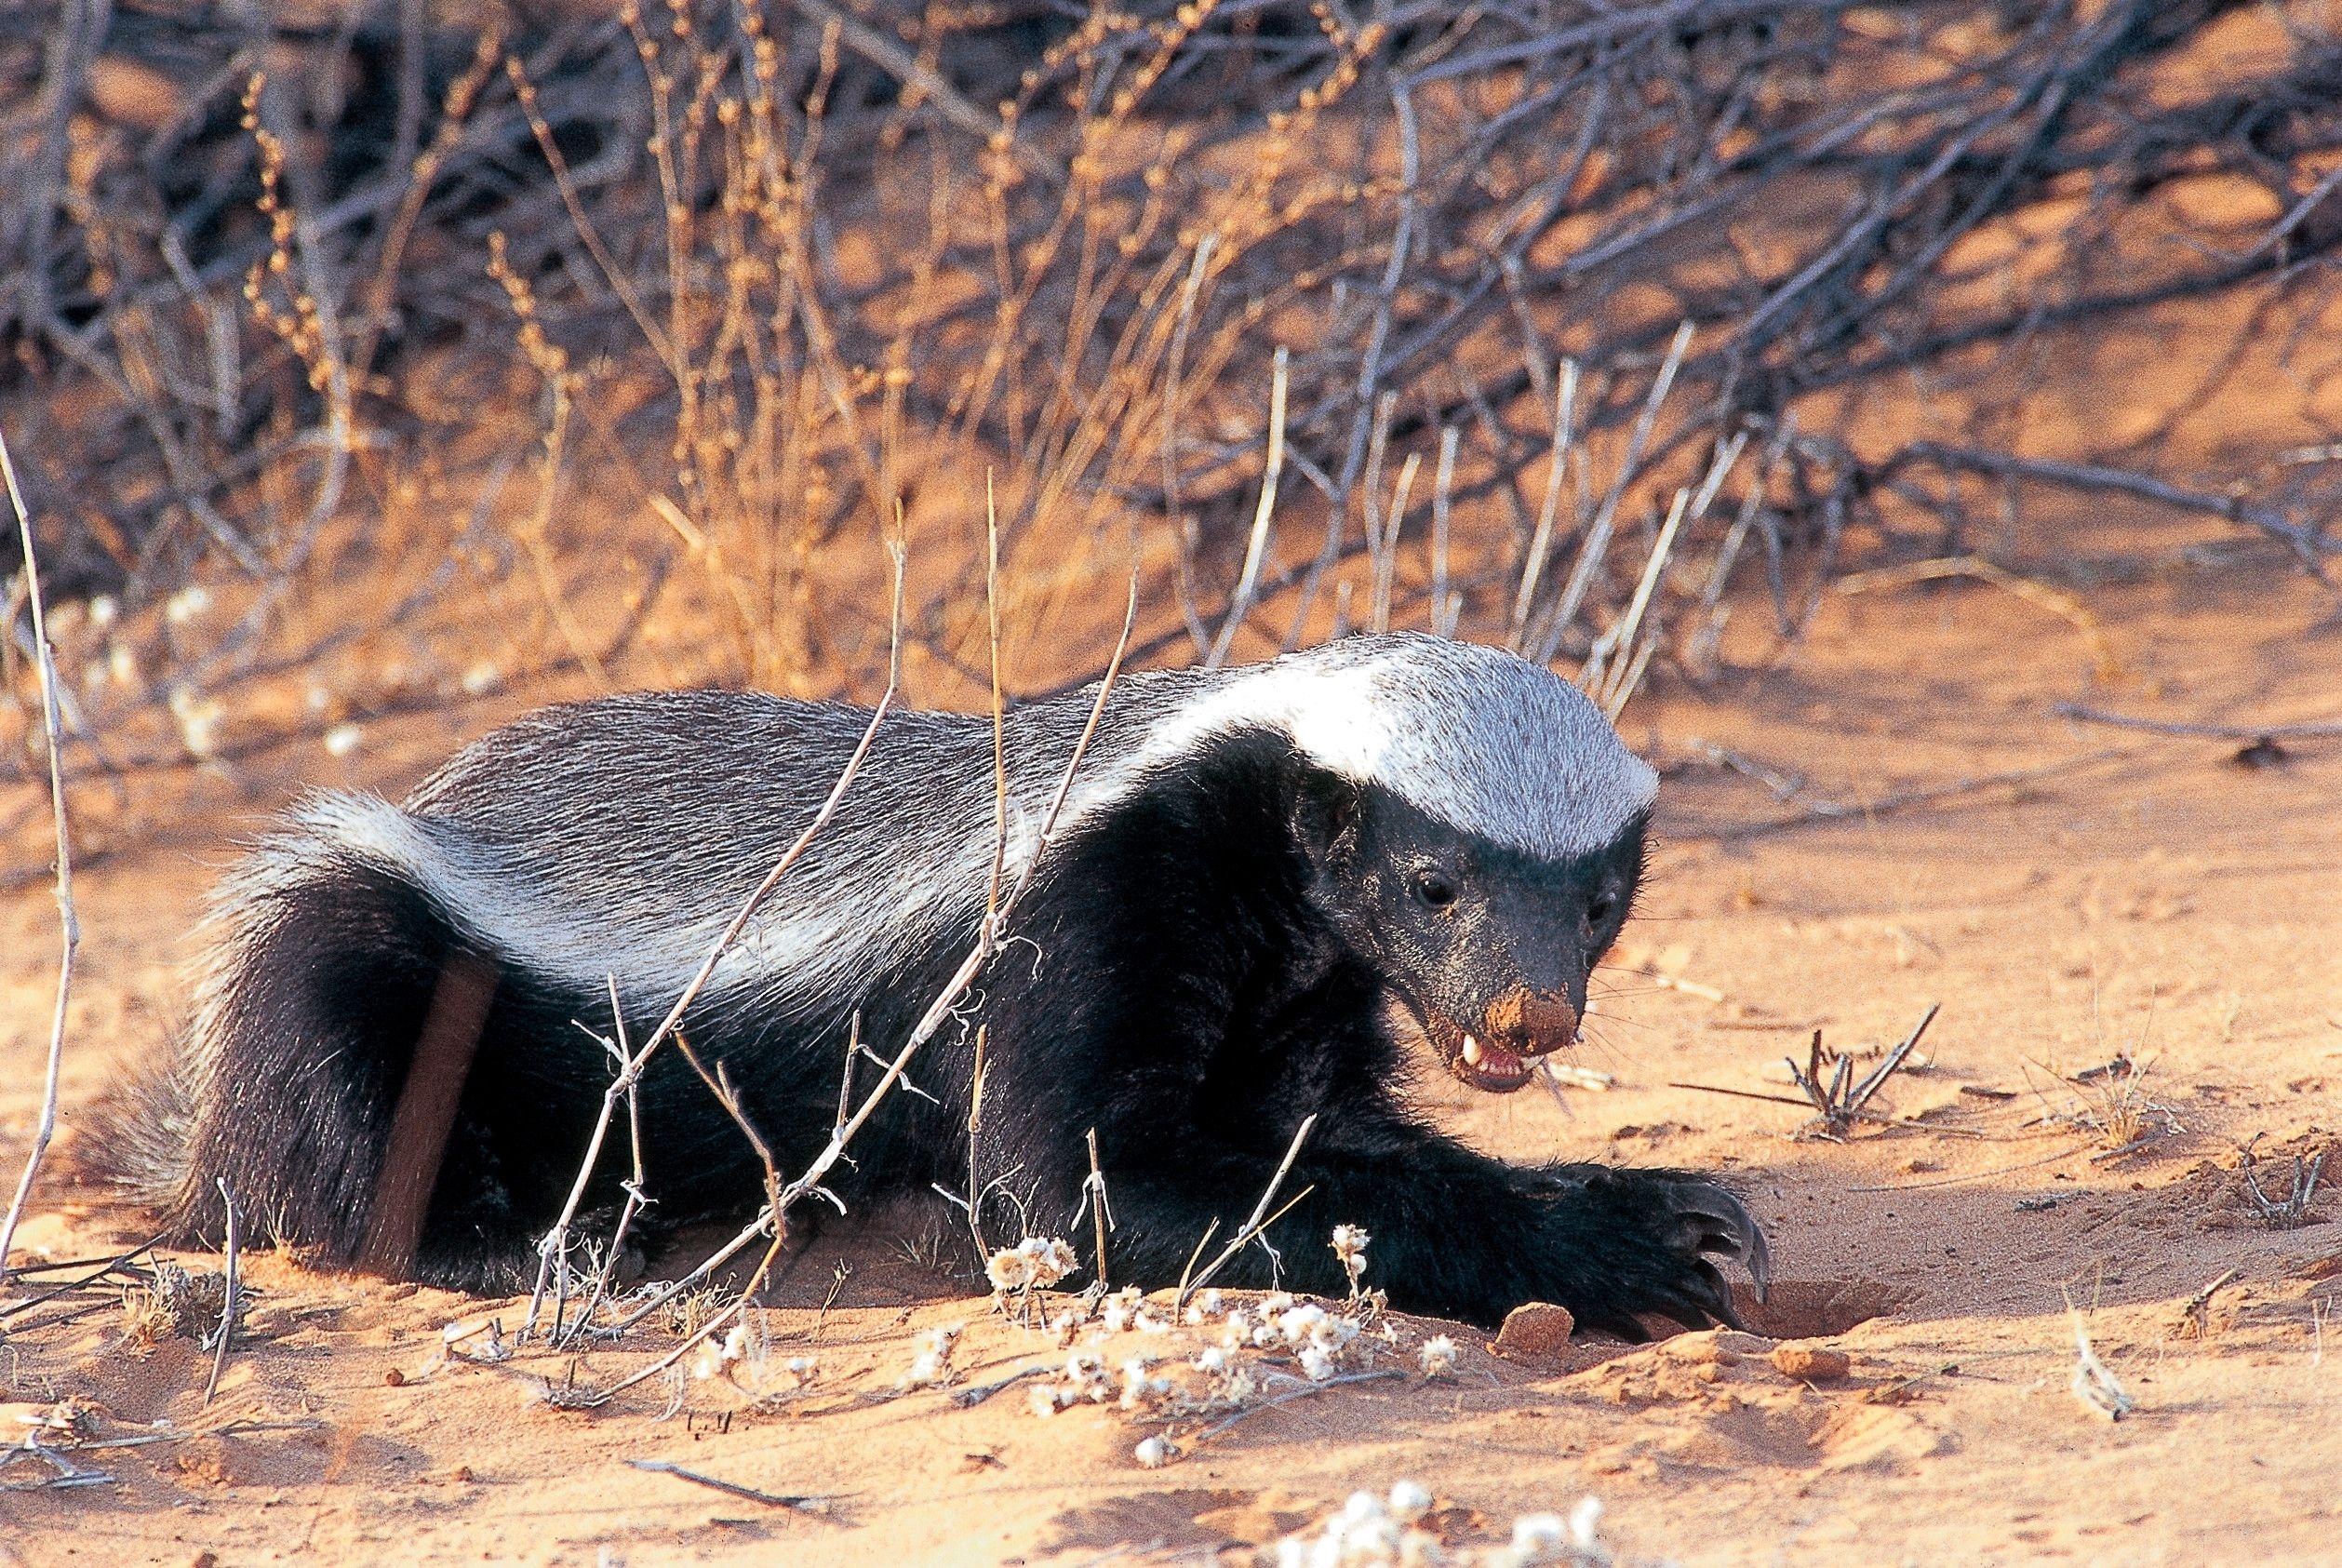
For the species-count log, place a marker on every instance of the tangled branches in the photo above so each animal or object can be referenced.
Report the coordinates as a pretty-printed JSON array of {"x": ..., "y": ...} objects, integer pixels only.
[{"x": 868, "y": 253}]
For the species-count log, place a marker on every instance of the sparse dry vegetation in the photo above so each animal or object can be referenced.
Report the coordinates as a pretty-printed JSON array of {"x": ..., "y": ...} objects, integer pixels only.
[
  {"x": 370, "y": 363},
  {"x": 768, "y": 281}
]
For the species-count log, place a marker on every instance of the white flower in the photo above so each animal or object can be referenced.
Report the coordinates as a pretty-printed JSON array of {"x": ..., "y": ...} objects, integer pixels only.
[
  {"x": 931, "y": 1366},
  {"x": 1582, "y": 1519},
  {"x": 1349, "y": 1245},
  {"x": 342, "y": 739},
  {"x": 198, "y": 721},
  {"x": 1316, "y": 1364},
  {"x": 187, "y": 604},
  {"x": 1052, "y": 1259},
  {"x": 480, "y": 677},
  {"x": 1438, "y": 1356},
  {"x": 1409, "y": 1501},
  {"x": 1043, "y": 1398},
  {"x": 1540, "y": 1533},
  {"x": 103, "y": 609},
  {"x": 1332, "y": 1333},
  {"x": 1212, "y": 1359},
  {"x": 1008, "y": 1270},
  {"x": 1153, "y": 1453},
  {"x": 1301, "y": 1322}
]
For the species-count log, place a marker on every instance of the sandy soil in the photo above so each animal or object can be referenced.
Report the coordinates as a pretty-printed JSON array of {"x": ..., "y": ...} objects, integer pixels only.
[{"x": 2138, "y": 896}]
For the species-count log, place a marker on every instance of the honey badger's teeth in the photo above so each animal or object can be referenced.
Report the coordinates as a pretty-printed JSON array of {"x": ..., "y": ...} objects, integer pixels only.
[{"x": 1471, "y": 1051}]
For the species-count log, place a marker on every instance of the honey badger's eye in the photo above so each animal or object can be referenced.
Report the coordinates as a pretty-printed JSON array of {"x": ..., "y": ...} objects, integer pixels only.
[
  {"x": 1600, "y": 907},
  {"x": 1434, "y": 888}
]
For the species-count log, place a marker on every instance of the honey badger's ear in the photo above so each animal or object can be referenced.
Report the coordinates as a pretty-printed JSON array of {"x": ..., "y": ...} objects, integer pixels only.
[{"x": 1323, "y": 815}]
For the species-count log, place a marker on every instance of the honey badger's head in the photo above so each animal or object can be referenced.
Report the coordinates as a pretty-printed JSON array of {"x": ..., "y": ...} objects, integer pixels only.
[
  {"x": 1474, "y": 830},
  {"x": 1486, "y": 948}
]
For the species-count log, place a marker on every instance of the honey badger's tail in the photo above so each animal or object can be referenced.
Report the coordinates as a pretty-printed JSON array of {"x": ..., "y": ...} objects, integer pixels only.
[{"x": 334, "y": 1025}]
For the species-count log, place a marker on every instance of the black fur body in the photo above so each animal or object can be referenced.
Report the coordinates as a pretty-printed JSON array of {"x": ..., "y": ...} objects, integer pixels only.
[{"x": 1238, "y": 924}]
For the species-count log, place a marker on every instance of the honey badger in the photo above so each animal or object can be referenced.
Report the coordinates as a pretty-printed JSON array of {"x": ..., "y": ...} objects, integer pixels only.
[{"x": 1265, "y": 884}]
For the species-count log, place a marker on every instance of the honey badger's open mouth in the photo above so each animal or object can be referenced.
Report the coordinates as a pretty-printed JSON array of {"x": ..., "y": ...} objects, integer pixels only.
[{"x": 1477, "y": 1061}]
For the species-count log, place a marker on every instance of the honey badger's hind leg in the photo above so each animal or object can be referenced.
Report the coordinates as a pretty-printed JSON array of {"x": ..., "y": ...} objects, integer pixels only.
[{"x": 324, "y": 1072}]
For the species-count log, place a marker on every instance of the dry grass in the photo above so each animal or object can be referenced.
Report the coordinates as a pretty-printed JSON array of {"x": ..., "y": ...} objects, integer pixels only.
[{"x": 776, "y": 291}]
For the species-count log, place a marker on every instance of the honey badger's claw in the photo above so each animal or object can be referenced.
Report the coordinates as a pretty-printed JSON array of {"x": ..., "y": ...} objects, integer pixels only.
[{"x": 1716, "y": 1223}]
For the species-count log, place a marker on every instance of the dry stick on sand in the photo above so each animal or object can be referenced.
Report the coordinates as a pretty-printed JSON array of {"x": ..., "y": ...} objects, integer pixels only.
[
  {"x": 227, "y": 1301},
  {"x": 1843, "y": 1103},
  {"x": 939, "y": 1011},
  {"x": 2308, "y": 731},
  {"x": 1300, "y": 1393},
  {"x": 557, "y": 1240},
  {"x": 1093, "y": 1197},
  {"x": 45, "y": 664},
  {"x": 2285, "y": 1213},
  {"x": 1817, "y": 811},
  {"x": 2064, "y": 606},
  {"x": 816, "y": 1506}
]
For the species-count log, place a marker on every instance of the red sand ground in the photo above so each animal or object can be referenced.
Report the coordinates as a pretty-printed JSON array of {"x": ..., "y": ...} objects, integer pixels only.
[{"x": 2152, "y": 897}]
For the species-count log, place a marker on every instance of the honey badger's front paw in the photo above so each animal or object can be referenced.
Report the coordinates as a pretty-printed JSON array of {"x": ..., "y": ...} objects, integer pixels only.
[{"x": 1648, "y": 1238}]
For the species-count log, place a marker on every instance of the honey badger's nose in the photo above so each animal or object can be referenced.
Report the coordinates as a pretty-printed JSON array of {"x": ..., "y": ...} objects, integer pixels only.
[{"x": 1531, "y": 1022}]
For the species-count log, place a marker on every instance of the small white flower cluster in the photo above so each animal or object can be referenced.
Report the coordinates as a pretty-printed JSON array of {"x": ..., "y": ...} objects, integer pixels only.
[
  {"x": 1034, "y": 1264},
  {"x": 743, "y": 1357},
  {"x": 198, "y": 721},
  {"x": 188, "y": 605},
  {"x": 1246, "y": 1347},
  {"x": 1349, "y": 1245},
  {"x": 1316, "y": 1335},
  {"x": 1084, "y": 1379},
  {"x": 1438, "y": 1356},
  {"x": 1370, "y": 1531},
  {"x": 931, "y": 1364},
  {"x": 1202, "y": 1310},
  {"x": 1126, "y": 1309}
]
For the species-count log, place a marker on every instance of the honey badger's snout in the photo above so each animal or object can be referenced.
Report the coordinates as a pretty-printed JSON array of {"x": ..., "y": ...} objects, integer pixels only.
[{"x": 1531, "y": 1023}]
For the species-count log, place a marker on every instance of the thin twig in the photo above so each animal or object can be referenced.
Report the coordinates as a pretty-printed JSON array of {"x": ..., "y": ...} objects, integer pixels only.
[
  {"x": 771, "y": 1222},
  {"x": 228, "y": 1302},
  {"x": 1256, "y": 1225},
  {"x": 2310, "y": 730},
  {"x": 1249, "y": 578},
  {"x": 558, "y": 1238},
  {"x": 1306, "y": 1392},
  {"x": 1819, "y": 810},
  {"x": 69, "y": 923},
  {"x": 812, "y": 1503},
  {"x": 1094, "y": 1195}
]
